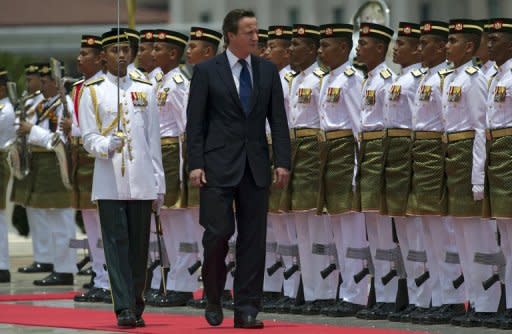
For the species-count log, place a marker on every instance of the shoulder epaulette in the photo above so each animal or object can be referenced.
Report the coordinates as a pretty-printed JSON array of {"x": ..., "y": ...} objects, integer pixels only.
[
  {"x": 417, "y": 73},
  {"x": 471, "y": 70},
  {"x": 178, "y": 78},
  {"x": 2, "y": 106},
  {"x": 319, "y": 72},
  {"x": 137, "y": 73},
  {"x": 34, "y": 94},
  {"x": 78, "y": 82},
  {"x": 445, "y": 72},
  {"x": 290, "y": 75},
  {"x": 137, "y": 78},
  {"x": 385, "y": 74},
  {"x": 94, "y": 81},
  {"x": 159, "y": 76},
  {"x": 349, "y": 72}
]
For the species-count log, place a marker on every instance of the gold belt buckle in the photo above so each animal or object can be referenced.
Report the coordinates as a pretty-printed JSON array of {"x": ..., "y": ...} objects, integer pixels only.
[{"x": 321, "y": 136}]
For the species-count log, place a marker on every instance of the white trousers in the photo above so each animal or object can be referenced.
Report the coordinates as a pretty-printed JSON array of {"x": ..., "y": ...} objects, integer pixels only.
[
  {"x": 380, "y": 236},
  {"x": 62, "y": 226},
  {"x": 410, "y": 236},
  {"x": 476, "y": 235},
  {"x": 349, "y": 232},
  {"x": 177, "y": 230},
  {"x": 505, "y": 226},
  {"x": 40, "y": 233},
  {"x": 272, "y": 283},
  {"x": 93, "y": 231},
  {"x": 314, "y": 229},
  {"x": 286, "y": 236},
  {"x": 4, "y": 243}
]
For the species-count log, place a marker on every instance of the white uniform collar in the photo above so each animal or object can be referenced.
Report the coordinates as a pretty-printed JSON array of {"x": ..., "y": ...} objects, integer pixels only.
[
  {"x": 377, "y": 69},
  {"x": 463, "y": 66},
  {"x": 285, "y": 69},
  {"x": 410, "y": 68},
  {"x": 310, "y": 69},
  {"x": 153, "y": 73},
  {"x": 112, "y": 78},
  {"x": 340, "y": 69},
  {"x": 507, "y": 66}
]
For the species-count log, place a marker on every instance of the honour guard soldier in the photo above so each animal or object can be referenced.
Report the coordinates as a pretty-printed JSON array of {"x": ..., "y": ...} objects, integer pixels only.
[
  {"x": 487, "y": 66},
  {"x": 145, "y": 57},
  {"x": 203, "y": 44},
  {"x": 44, "y": 191},
  {"x": 262, "y": 42},
  {"x": 399, "y": 101},
  {"x": 279, "y": 245},
  {"x": 339, "y": 107},
  {"x": 7, "y": 134},
  {"x": 427, "y": 196},
  {"x": 178, "y": 226},
  {"x": 39, "y": 231},
  {"x": 128, "y": 179},
  {"x": 300, "y": 195},
  {"x": 372, "y": 47},
  {"x": 464, "y": 109},
  {"x": 499, "y": 139},
  {"x": 90, "y": 65},
  {"x": 134, "y": 38}
]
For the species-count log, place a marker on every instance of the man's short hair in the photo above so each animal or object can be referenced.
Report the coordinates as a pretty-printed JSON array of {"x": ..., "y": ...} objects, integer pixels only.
[{"x": 231, "y": 20}]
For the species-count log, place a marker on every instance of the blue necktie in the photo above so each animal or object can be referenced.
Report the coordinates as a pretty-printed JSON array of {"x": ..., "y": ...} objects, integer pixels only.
[{"x": 245, "y": 86}]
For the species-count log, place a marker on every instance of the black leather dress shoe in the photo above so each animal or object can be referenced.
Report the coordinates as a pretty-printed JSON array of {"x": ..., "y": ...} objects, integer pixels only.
[
  {"x": 397, "y": 316},
  {"x": 344, "y": 309},
  {"x": 55, "y": 279},
  {"x": 495, "y": 322},
  {"x": 248, "y": 322},
  {"x": 5, "y": 276},
  {"x": 95, "y": 295},
  {"x": 139, "y": 322},
  {"x": 126, "y": 319},
  {"x": 477, "y": 319},
  {"x": 37, "y": 267},
  {"x": 444, "y": 314},
  {"x": 213, "y": 314}
]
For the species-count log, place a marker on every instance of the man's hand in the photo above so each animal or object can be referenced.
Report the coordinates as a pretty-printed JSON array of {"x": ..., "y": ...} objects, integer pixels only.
[
  {"x": 114, "y": 143},
  {"x": 66, "y": 125},
  {"x": 478, "y": 192},
  {"x": 158, "y": 202},
  {"x": 281, "y": 177},
  {"x": 198, "y": 177},
  {"x": 24, "y": 128}
]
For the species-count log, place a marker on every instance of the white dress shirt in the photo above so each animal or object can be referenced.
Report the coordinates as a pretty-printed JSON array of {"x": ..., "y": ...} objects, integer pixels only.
[
  {"x": 236, "y": 68},
  {"x": 172, "y": 99},
  {"x": 468, "y": 112},
  {"x": 499, "y": 100},
  {"x": 7, "y": 118},
  {"x": 372, "y": 114},
  {"x": 304, "y": 109},
  {"x": 400, "y": 98},
  {"x": 340, "y": 99},
  {"x": 141, "y": 152},
  {"x": 427, "y": 112}
]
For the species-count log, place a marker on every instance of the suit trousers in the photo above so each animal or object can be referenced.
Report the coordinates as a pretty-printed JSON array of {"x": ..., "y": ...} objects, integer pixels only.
[
  {"x": 125, "y": 229},
  {"x": 217, "y": 217}
]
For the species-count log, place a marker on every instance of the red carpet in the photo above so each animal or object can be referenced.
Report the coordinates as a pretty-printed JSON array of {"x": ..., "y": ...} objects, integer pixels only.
[
  {"x": 29, "y": 315},
  {"x": 37, "y": 296}
]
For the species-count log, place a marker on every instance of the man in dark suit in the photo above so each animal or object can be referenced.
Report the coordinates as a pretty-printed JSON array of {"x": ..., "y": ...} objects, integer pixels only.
[{"x": 231, "y": 97}]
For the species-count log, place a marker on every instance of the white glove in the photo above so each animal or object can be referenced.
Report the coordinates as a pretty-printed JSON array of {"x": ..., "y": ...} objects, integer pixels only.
[
  {"x": 114, "y": 143},
  {"x": 478, "y": 192},
  {"x": 158, "y": 202}
]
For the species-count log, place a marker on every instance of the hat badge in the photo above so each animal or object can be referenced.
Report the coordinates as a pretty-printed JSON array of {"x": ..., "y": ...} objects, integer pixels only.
[
  {"x": 328, "y": 31},
  {"x": 365, "y": 29},
  {"x": 149, "y": 35},
  {"x": 199, "y": 33},
  {"x": 161, "y": 35},
  {"x": 459, "y": 26},
  {"x": 45, "y": 69},
  {"x": 90, "y": 41},
  {"x": 32, "y": 68},
  {"x": 301, "y": 31},
  {"x": 427, "y": 27},
  {"x": 407, "y": 30},
  {"x": 498, "y": 25},
  {"x": 279, "y": 31}
]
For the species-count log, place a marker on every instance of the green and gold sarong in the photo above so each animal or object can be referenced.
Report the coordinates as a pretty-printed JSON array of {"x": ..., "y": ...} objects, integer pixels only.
[
  {"x": 459, "y": 162},
  {"x": 83, "y": 170},
  {"x": 4, "y": 179},
  {"x": 42, "y": 188},
  {"x": 428, "y": 189},
  {"x": 302, "y": 189},
  {"x": 370, "y": 174},
  {"x": 397, "y": 173},
  {"x": 175, "y": 194},
  {"x": 336, "y": 173},
  {"x": 499, "y": 177}
]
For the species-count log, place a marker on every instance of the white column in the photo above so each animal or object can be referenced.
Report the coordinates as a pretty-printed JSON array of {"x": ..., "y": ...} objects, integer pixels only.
[{"x": 177, "y": 11}]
